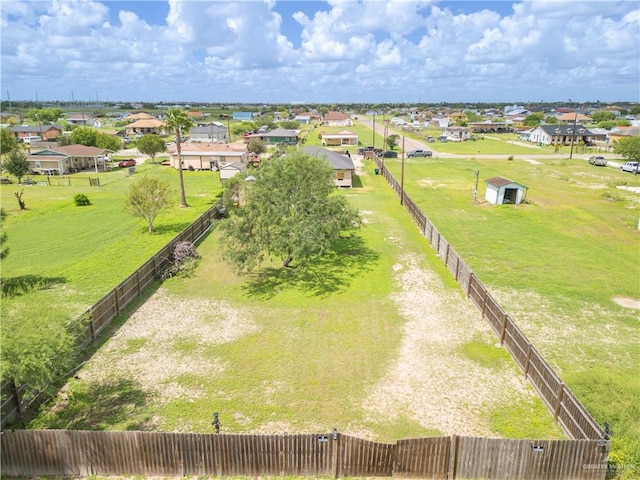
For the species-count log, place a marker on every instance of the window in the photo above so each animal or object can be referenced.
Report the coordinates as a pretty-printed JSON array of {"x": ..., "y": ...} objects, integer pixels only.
[{"x": 340, "y": 175}]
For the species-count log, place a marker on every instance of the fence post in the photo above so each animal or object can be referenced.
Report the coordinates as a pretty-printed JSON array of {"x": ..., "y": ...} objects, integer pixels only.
[
  {"x": 527, "y": 363},
  {"x": 117, "y": 301},
  {"x": 336, "y": 455},
  {"x": 504, "y": 329},
  {"x": 457, "y": 266},
  {"x": 453, "y": 456},
  {"x": 446, "y": 256},
  {"x": 471, "y": 275},
  {"x": 484, "y": 303},
  {"x": 559, "y": 396}
]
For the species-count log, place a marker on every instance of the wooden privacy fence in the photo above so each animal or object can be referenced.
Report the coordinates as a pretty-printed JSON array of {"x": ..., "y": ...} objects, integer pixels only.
[
  {"x": 16, "y": 399},
  {"x": 561, "y": 402},
  {"x": 84, "y": 453}
]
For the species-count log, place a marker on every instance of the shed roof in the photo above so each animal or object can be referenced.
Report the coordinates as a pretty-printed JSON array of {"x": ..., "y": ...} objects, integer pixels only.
[{"x": 501, "y": 182}]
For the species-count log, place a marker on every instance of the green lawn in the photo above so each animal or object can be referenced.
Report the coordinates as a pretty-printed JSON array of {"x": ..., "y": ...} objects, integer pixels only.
[
  {"x": 556, "y": 264},
  {"x": 67, "y": 257}
]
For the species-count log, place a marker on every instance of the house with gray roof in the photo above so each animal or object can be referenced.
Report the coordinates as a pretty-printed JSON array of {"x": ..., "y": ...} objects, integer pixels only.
[
  {"x": 560, "y": 134},
  {"x": 211, "y": 133},
  {"x": 342, "y": 165}
]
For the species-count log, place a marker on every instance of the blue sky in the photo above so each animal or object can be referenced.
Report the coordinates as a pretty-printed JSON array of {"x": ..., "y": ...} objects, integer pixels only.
[{"x": 327, "y": 52}]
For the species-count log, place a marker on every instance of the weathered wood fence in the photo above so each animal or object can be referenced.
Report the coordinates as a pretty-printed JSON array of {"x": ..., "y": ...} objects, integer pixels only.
[
  {"x": 561, "y": 402},
  {"x": 84, "y": 453},
  {"x": 16, "y": 399}
]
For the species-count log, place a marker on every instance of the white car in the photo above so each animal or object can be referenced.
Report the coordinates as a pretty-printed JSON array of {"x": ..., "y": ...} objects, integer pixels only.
[{"x": 629, "y": 167}]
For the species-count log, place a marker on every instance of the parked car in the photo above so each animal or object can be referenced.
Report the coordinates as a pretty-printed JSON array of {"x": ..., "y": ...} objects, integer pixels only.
[
  {"x": 629, "y": 167},
  {"x": 598, "y": 161},
  {"x": 390, "y": 154},
  {"x": 127, "y": 163},
  {"x": 420, "y": 153}
]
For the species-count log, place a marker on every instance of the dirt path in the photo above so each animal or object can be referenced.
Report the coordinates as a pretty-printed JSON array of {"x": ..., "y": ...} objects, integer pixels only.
[{"x": 431, "y": 381}]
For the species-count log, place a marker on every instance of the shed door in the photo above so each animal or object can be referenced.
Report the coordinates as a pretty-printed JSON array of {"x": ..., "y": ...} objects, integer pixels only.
[{"x": 510, "y": 195}]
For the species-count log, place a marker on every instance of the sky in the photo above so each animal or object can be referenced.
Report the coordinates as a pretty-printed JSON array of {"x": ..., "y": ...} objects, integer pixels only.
[{"x": 336, "y": 51}]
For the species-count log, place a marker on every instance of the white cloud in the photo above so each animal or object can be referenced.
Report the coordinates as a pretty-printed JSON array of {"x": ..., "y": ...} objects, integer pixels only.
[{"x": 396, "y": 50}]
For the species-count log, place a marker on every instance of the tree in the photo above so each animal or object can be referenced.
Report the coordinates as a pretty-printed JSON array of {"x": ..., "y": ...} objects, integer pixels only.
[
  {"x": 292, "y": 211},
  {"x": 4, "y": 250},
  {"x": 533, "y": 120},
  {"x": 146, "y": 198},
  {"x": 7, "y": 141},
  {"x": 48, "y": 115},
  {"x": 16, "y": 164},
  {"x": 628, "y": 147},
  {"x": 108, "y": 142},
  {"x": 603, "y": 116},
  {"x": 151, "y": 145},
  {"x": 179, "y": 123},
  {"x": 392, "y": 141},
  {"x": 550, "y": 120},
  {"x": 84, "y": 136},
  {"x": 256, "y": 146},
  {"x": 290, "y": 124}
]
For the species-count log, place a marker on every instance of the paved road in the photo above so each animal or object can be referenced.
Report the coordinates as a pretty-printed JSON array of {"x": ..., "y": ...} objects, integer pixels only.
[{"x": 411, "y": 144}]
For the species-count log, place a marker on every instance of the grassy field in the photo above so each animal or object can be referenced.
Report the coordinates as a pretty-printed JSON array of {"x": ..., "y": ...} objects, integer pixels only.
[
  {"x": 557, "y": 264},
  {"x": 63, "y": 258},
  {"x": 290, "y": 351}
]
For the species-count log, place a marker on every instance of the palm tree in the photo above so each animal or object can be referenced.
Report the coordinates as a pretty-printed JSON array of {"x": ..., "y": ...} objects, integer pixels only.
[{"x": 179, "y": 123}]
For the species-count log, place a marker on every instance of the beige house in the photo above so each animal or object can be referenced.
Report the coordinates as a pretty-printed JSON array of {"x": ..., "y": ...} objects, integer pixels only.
[
  {"x": 339, "y": 139},
  {"x": 342, "y": 165},
  {"x": 134, "y": 117},
  {"x": 149, "y": 126},
  {"x": 69, "y": 159},
  {"x": 208, "y": 156},
  {"x": 337, "y": 119}
]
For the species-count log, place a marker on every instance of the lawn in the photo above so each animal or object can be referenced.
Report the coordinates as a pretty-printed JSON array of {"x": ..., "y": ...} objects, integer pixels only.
[
  {"x": 374, "y": 339},
  {"x": 64, "y": 258},
  {"x": 557, "y": 264}
]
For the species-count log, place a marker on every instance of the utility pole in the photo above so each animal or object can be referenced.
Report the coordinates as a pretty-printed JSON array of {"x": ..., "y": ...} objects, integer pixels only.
[
  {"x": 573, "y": 133},
  {"x": 402, "y": 176}
]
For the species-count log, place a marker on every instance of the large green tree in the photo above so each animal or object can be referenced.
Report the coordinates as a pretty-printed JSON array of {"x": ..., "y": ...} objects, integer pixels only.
[
  {"x": 46, "y": 115},
  {"x": 151, "y": 145},
  {"x": 180, "y": 124},
  {"x": 84, "y": 136},
  {"x": 109, "y": 142},
  {"x": 7, "y": 140},
  {"x": 292, "y": 211},
  {"x": 628, "y": 147},
  {"x": 146, "y": 198},
  {"x": 16, "y": 164}
]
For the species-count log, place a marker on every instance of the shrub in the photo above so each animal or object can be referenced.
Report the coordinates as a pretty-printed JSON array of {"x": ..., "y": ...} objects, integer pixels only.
[
  {"x": 81, "y": 200},
  {"x": 183, "y": 261}
]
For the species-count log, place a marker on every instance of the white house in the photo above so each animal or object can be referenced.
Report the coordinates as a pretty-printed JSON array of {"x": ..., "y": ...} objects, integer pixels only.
[
  {"x": 501, "y": 190},
  {"x": 208, "y": 156},
  {"x": 339, "y": 139}
]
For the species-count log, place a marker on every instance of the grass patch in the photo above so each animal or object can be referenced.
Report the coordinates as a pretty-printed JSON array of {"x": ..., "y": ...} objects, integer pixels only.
[
  {"x": 525, "y": 419},
  {"x": 484, "y": 354}
]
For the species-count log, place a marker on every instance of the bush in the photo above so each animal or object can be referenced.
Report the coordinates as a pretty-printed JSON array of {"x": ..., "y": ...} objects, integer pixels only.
[
  {"x": 183, "y": 261},
  {"x": 81, "y": 200}
]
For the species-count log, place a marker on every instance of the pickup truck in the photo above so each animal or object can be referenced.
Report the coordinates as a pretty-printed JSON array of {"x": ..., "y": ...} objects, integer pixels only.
[
  {"x": 629, "y": 167},
  {"x": 598, "y": 161},
  {"x": 420, "y": 153}
]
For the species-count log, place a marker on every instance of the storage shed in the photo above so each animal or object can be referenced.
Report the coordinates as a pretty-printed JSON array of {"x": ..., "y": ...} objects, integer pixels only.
[{"x": 501, "y": 190}]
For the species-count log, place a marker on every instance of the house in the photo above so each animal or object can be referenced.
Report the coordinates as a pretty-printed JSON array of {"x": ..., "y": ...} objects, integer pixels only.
[
  {"x": 147, "y": 126},
  {"x": 501, "y": 190},
  {"x": 342, "y": 165},
  {"x": 457, "y": 134},
  {"x": 230, "y": 170},
  {"x": 559, "y": 135},
  {"x": 69, "y": 159},
  {"x": 134, "y": 117},
  {"x": 207, "y": 156},
  {"x": 572, "y": 117},
  {"x": 619, "y": 133},
  {"x": 339, "y": 139},
  {"x": 337, "y": 119},
  {"x": 278, "y": 136},
  {"x": 45, "y": 132},
  {"x": 83, "y": 119},
  {"x": 211, "y": 133}
]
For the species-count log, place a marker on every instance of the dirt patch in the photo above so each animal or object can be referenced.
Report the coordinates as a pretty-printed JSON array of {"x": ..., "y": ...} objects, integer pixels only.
[
  {"x": 627, "y": 302},
  {"x": 431, "y": 381},
  {"x": 165, "y": 338}
]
